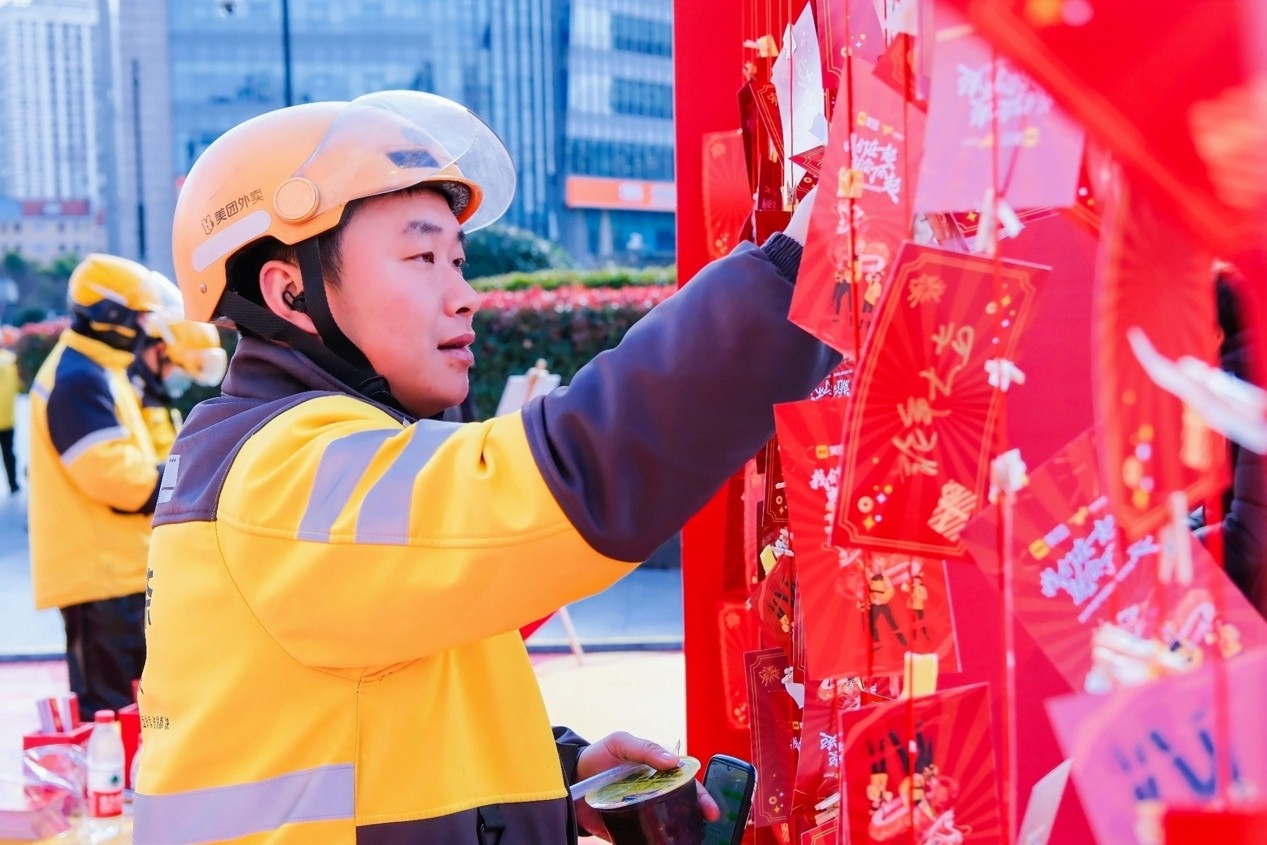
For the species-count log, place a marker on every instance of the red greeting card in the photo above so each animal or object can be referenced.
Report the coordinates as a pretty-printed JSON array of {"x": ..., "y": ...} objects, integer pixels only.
[
  {"x": 862, "y": 612},
  {"x": 1187, "y": 118},
  {"x": 773, "y": 719},
  {"x": 846, "y": 28},
  {"x": 862, "y": 211},
  {"x": 727, "y": 197},
  {"x": 865, "y": 610},
  {"x": 1145, "y": 748},
  {"x": 1070, "y": 579},
  {"x": 922, "y": 771},
  {"x": 1152, "y": 444},
  {"x": 918, "y": 431},
  {"x": 982, "y": 107},
  {"x": 775, "y": 598},
  {"x": 819, "y": 744},
  {"x": 737, "y": 635},
  {"x": 808, "y": 434}
]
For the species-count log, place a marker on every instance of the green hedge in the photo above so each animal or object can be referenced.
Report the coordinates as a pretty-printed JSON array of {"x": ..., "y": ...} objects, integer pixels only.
[
  {"x": 566, "y": 326},
  {"x": 617, "y": 277}
]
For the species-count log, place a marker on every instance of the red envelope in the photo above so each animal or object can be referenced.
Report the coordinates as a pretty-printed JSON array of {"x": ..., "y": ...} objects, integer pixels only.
[
  {"x": 861, "y": 214},
  {"x": 773, "y": 717},
  {"x": 1068, "y": 583},
  {"x": 922, "y": 771},
  {"x": 918, "y": 433},
  {"x": 727, "y": 197},
  {"x": 1153, "y": 276},
  {"x": 763, "y": 156},
  {"x": 1039, "y": 147},
  {"x": 1144, "y": 748}
]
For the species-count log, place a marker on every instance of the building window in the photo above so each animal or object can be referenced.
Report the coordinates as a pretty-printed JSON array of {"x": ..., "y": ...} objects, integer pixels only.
[
  {"x": 642, "y": 35},
  {"x": 621, "y": 160},
  {"x": 645, "y": 99}
]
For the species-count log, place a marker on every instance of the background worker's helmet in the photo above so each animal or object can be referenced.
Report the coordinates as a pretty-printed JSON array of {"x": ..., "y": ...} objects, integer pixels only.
[
  {"x": 109, "y": 297},
  {"x": 193, "y": 347},
  {"x": 290, "y": 173}
]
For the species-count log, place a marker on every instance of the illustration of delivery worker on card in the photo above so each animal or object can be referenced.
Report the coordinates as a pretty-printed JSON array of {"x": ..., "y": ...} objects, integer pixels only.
[{"x": 903, "y": 605}]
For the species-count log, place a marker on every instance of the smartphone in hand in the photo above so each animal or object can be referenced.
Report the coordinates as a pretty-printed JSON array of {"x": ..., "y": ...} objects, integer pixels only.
[{"x": 731, "y": 782}]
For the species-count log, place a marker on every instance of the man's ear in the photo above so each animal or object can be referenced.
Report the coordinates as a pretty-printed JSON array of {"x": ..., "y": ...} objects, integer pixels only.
[{"x": 282, "y": 289}]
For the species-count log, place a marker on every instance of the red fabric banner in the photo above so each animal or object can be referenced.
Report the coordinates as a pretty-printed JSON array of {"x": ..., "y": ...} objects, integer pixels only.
[{"x": 917, "y": 436}]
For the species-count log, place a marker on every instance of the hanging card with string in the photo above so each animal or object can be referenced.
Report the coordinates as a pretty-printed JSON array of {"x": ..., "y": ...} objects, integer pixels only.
[
  {"x": 1039, "y": 148},
  {"x": 774, "y": 714},
  {"x": 1141, "y": 750},
  {"x": 922, "y": 770},
  {"x": 1105, "y": 618},
  {"x": 862, "y": 211},
  {"x": 919, "y": 429}
]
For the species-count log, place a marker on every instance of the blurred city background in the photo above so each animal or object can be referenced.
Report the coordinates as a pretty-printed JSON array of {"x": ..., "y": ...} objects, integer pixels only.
[{"x": 105, "y": 105}]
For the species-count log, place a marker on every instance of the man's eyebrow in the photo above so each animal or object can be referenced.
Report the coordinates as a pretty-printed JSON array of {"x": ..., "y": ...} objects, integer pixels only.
[{"x": 426, "y": 227}]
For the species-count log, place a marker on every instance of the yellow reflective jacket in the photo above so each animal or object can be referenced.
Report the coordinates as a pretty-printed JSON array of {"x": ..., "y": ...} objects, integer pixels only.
[
  {"x": 94, "y": 476},
  {"x": 162, "y": 423},
  {"x": 335, "y": 591},
  {"x": 8, "y": 388}
]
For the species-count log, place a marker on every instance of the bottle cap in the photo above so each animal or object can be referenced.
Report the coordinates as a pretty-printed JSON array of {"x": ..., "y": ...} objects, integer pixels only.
[{"x": 104, "y": 717}]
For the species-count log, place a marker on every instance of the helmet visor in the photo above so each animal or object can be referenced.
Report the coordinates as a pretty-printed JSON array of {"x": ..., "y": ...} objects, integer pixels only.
[{"x": 390, "y": 140}]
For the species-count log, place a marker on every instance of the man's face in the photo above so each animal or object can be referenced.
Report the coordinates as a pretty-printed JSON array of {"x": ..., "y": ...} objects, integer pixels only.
[{"x": 402, "y": 299}]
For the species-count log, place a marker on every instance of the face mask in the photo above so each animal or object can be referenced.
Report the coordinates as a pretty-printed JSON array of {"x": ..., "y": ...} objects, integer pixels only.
[{"x": 177, "y": 383}]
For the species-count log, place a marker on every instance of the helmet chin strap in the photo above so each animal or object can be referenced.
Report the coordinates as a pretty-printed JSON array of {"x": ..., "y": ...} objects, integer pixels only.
[
  {"x": 265, "y": 323},
  {"x": 335, "y": 344}
]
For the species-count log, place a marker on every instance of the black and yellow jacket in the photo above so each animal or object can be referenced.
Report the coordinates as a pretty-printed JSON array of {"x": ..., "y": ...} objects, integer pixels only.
[
  {"x": 336, "y": 591},
  {"x": 94, "y": 476}
]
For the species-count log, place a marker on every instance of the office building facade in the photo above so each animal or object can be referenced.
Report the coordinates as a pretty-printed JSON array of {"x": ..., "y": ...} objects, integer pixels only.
[
  {"x": 580, "y": 90},
  {"x": 49, "y": 151}
]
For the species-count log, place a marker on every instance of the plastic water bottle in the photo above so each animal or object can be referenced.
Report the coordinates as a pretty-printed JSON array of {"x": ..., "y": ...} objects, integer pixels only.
[{"x": 105, "y": 779}]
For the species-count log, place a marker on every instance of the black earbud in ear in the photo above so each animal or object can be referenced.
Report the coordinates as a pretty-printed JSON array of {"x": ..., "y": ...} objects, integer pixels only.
[{"x": 295, "y": 303}]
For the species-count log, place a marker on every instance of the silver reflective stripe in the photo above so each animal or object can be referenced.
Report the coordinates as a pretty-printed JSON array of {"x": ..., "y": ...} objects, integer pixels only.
[
  {"x": 167, "y": 485},
  {"x": 385, "y": 512},
  {"x": 40, "y": 391},
  {"x": 229, "y": 812},
  {"x": 344, "y": 462},
  {"x": 102, "y": 435}
]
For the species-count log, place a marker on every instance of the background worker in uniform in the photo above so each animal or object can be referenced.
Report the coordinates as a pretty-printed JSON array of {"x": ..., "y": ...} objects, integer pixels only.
[
  {"x": 94, "y": 480},
  {"x": 173, "y": 356},
  {"x": 365, "y": 566}
]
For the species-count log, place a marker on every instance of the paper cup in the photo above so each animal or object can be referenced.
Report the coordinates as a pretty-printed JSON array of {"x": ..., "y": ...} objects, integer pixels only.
[{"x": 657, "y": 808}]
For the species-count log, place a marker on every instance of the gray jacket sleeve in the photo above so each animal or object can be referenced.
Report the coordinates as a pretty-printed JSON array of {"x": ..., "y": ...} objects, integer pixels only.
[{"x": 646, "y": 432}]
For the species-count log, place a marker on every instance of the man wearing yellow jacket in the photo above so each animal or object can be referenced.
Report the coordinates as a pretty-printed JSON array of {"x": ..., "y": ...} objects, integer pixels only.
[
  {"x": 338, "y": 575},
  {"x": 173, "y": 356},
  {"x": 94, "y": 480}
]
